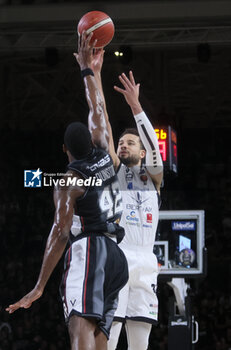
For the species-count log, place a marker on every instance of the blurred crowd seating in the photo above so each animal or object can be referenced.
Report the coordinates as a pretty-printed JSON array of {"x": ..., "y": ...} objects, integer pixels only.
[{"x": 25, "y": 219}]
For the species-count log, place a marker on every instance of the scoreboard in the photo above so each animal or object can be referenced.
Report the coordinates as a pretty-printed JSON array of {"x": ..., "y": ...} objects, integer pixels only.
[{"x": 167, "y": 139}]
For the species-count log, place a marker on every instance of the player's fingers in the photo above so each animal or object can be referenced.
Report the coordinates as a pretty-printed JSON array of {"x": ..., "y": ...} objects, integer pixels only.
[
  {"x": 79, "y": 42},
  {"x": 12, "y": 308},
  {"x": 119, "y": 89},
  {"x": 123, "y": 81},
  {"x": 102, "y": 53},
  {"x": 84, "y": 36},
  {"x": 87, "y": 41},
  {"x": 94, "y": 43},
  {"x": 99, "y": 52},
  {"x": 8, "y": 309},
  {"x": 83, "y": 40},
  {"x": 127, "y": 80},
  {"x": 131, "y": 76}
]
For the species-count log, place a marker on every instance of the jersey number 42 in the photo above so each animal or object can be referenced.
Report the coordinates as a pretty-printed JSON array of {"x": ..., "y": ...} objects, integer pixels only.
[{"x": 111, "y": 200}]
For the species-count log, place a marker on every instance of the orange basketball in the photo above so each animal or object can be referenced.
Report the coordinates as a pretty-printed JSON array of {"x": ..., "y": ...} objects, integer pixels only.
[{"x": 100, "y": 24}]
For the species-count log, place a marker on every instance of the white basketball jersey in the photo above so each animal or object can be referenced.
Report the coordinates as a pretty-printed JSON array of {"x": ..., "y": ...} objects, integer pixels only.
[{"x": 140, "y": 206}]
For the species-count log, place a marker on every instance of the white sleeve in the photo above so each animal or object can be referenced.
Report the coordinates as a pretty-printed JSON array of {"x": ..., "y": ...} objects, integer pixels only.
[{"x": 149, "y": 139}]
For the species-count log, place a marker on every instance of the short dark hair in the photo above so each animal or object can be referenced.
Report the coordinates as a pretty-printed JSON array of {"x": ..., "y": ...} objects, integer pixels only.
[
  {"x": 132, "y": 131},
  {"x": 77, "y": 139}
]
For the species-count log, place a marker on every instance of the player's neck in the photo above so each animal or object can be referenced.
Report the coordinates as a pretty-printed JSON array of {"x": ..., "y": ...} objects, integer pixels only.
[{"x": 132, "y": 165}]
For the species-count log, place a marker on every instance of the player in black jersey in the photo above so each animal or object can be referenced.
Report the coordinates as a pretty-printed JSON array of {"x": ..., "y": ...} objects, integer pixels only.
[{"x": 95, "y": 267}]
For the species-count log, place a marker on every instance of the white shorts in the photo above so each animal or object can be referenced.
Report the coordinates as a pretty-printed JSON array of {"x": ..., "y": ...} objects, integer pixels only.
[
  {"x": 95, "y": 270},
  {"x": 138, "y": 300}
]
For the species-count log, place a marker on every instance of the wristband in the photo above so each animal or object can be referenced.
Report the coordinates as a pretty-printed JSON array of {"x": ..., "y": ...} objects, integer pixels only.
[{"x": 86, "y": 71}]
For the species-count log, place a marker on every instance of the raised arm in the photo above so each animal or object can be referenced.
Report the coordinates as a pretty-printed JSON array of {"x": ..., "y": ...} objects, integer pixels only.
[
  {"x": 146, "y": 131},
  {"x": 98, "y": 57},
  {"x": 64, "y": 200},
  {"x": 96, "y": 118}
]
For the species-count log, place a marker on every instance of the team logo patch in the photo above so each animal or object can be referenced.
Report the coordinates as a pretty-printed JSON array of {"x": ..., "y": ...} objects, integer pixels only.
[
  {"x": 149, "y": 218},
  {"x": 73, "y": 302},
  {"x": 132, "y": 216},
  {"x": 143, "y": 176},
  {"x": 130, "y": 186},
  {"x": 33, "y": 178}
]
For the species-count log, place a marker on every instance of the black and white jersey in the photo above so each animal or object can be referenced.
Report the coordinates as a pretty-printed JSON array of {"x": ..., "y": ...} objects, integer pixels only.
[{"x": 100, "y": 209}]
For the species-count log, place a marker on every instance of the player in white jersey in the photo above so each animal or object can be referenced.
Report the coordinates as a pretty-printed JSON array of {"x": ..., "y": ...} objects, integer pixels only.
[{"x": 140, "y": 172}]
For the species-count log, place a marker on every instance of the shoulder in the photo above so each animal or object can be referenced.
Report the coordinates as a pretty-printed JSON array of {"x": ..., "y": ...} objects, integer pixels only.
[{"x": 120, "y": 167}]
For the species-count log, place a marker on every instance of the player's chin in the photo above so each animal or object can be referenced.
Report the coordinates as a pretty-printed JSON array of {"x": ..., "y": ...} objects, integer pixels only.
[
  {"x": 123, "y": 158},
  {"x": 123, "y": 155}
]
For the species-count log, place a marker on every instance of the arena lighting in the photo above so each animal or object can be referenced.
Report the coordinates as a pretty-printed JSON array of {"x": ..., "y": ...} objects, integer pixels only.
[
  {"x": 167, "y": 139},
  {"x": 125, "y": 54},
  {"x": 117, "y": 53}
]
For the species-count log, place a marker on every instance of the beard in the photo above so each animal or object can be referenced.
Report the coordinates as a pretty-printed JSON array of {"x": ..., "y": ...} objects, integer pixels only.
[{"x": 130, "y": 161}]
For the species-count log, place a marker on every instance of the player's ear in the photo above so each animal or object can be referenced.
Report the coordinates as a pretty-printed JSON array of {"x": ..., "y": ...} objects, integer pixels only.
[
  {"x": 64, "y": 149},
  {"x": 142, "y": 153}
]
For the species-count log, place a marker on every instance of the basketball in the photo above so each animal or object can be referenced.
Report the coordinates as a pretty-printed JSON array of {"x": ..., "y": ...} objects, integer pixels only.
[{"x": 100, "y": 24}]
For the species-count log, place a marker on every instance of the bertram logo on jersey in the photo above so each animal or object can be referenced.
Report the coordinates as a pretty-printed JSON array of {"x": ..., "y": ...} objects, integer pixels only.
[
  {"x": 183, "y": 226},
  {"x": 38, "y": 179}
]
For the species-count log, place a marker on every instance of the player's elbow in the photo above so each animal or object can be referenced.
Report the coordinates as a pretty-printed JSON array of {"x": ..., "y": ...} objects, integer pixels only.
[
  {"x": 155, "y": 170},
  {"x": 62, "y": 228},
  {"x": 153, "y": 162}
]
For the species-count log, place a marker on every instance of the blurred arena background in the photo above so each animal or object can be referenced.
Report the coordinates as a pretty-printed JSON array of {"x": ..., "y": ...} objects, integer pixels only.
[{"x": 180, "y": 52}]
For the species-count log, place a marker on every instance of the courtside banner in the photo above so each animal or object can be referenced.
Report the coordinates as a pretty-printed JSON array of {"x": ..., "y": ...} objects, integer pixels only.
[{"x": 183, "y": 226}]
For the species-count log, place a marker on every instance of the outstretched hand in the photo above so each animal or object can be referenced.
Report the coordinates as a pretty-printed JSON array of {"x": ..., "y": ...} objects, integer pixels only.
[
  {"x": 85, "y": 55},
  {"x": 97, "y": 62},
  {"x": 26, "y": 301},
  {"x": 131, "y": 89}
]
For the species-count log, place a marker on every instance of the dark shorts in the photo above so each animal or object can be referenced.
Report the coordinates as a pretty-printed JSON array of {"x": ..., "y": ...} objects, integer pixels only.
[{"x": 95, "y": 271}]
